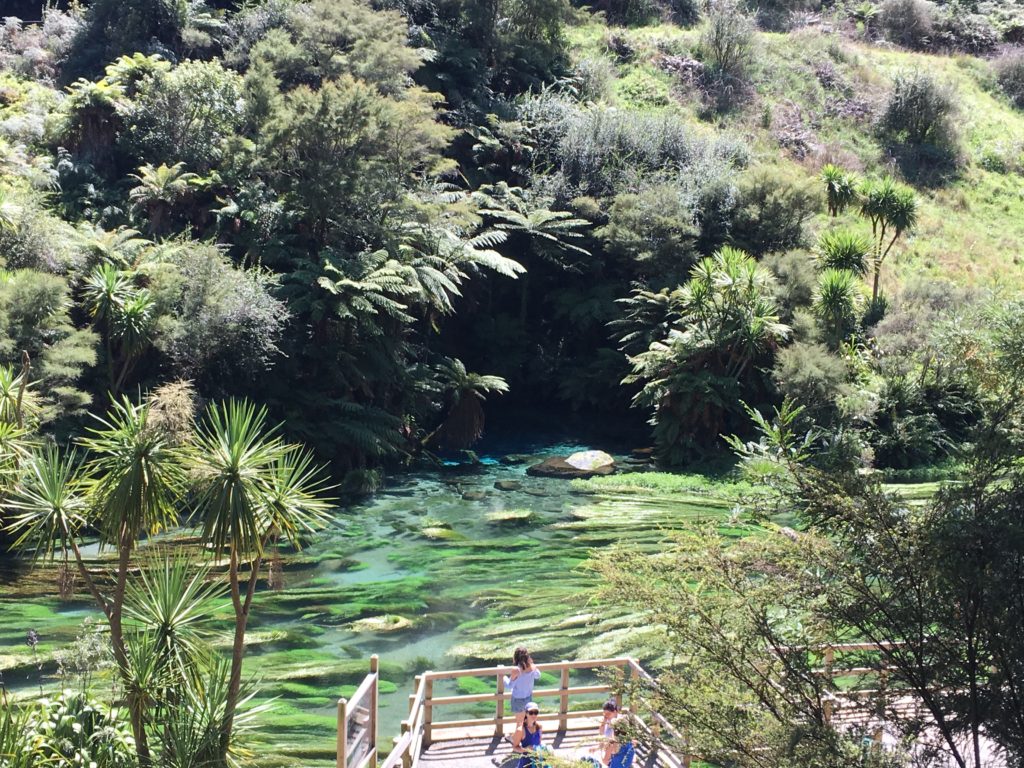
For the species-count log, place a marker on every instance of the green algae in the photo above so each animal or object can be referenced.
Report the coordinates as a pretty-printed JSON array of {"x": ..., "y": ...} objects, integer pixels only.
[{"x": 473, "y": 579}]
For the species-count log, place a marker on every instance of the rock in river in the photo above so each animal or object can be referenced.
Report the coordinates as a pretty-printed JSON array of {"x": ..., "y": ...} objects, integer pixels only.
[
  {"x": 474, "y": 495},
  {"x": 579, "y": 465},
  {"x": 508, "y": 485}
]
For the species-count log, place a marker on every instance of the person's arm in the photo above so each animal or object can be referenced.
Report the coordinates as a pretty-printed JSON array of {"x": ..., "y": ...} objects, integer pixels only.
[
  {"x": 509, "y": 678},
  {"x": 517, "y": 739},
  {"x": 609, "y": 751}
]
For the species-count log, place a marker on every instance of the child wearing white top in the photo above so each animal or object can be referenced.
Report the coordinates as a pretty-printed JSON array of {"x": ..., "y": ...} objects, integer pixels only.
[{"x": 520, "y": 683}]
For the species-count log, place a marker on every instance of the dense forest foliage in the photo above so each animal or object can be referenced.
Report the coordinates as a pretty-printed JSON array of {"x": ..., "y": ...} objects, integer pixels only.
[
  {"x": 370, "y": 217},
  {"x": 378, "y": 218}
]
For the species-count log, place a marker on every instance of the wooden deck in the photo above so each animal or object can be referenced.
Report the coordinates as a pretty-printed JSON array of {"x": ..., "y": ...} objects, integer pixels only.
[{"x": 488, "y": 752}]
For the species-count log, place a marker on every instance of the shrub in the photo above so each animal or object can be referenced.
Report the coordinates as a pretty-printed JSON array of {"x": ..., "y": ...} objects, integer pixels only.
[
  {"x": 727, "y": 40},
  {"x": 685, "y": 13},
  {"x": 654, "y": 227},
  {"x": 778, "y": 14},
  {"x": 796, "y": 280},
  {"x": 772, "y": 207},
  {"x": 187, "y": 114},
  {"x": 593, "y": 78},
  {"x": 35, "y": 316},
  {"x": 813, "y": 377},
  {"x": 910, "y": 23},
  {"x": 217, "y": 323},
  {"x": 118, "y": 27},
  {"x": 630, "y": 12},
  {"x": 604, "y": 150},
  {"x": 919, "y": 115},
  {"x": 72, "y": 730},
  {"x": 1010, "y": 72},
  {"x": 968, "y": 32}
]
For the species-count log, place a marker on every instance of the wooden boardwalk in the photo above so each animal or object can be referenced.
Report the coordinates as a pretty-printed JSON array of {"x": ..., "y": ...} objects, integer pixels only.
[{"x": 488, "y": 752}]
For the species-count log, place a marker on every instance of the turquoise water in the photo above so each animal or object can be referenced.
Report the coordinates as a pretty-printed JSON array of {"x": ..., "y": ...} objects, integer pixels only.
[{"x": 464, "y": 583}]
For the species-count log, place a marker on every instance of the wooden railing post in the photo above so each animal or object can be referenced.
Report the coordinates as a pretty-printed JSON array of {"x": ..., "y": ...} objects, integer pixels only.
[
  {"x": 883, "y": 683},
  {"x": 620, "y": 676},
  {"x": 374, "y": 706},
  {"x": 686, "y": 748},
  {"x": 342, "y": 733},
  {"x": 407, "y": 755},
  {"x": 830, "y": 660},
  {"x": 563, "y": 700},
  {"x": 428, "y": 711},
  {"x": 499, "y": 708}
]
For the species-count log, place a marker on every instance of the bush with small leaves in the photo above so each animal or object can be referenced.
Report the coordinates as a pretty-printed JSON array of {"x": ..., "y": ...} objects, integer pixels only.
[
  {"x": 920, "y": 116},
  {"x": 653, "y": 229},
  {"x": 604, "y": 150},
  {"x": 910, "y": 23},
  {"x": 593, "y": 78},
  {"x": 809, "y": 374},
  {"x": 1010, "y": 72},
  {"x": 967, "y": 32},
  {"x": 772, "y": 207},
  {"x": 779, "y": 14},
  {"x": 218, "y": 323},
  {"x": 795, "y": 283},
  {"x": 727, "y": 41}
]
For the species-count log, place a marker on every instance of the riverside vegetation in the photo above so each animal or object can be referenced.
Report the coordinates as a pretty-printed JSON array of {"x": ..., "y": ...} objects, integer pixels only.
[{"x": 244, "y": 240}]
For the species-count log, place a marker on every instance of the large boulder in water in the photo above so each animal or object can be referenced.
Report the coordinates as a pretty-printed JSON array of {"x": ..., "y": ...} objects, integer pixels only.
[{"x": 579, "y": 465}]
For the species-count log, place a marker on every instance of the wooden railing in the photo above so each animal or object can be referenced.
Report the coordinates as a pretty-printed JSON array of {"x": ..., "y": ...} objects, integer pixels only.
[
  {"x": 422, "y": 724},
  {"x": 357, "y": 723},
  {"x": 419, "y": 729}
]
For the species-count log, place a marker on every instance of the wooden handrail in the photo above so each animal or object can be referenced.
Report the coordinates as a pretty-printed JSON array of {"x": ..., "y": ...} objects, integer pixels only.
[
  {"x": 472, "y": 698},
  {"x": 545, "y": 667},
  {"x": 367, "y": 690},
  {"x": 419, "y": 726}
]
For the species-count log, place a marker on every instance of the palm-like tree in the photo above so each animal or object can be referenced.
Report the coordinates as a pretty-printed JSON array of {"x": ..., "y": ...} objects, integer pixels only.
[
  {"x": 158, "y": 191},
  {"x": 124, "y": 248},
  {"x": 133, "y": 328},
  {"x": 836, "y": 302},
  {"x": 441, "y": 257},
  {"x": 94, "y": 109},
  {"x": 172, "y": 600},
  {"x": 137, "y": 479},
  {"x": 465, "y": 392},
  {"x": 840, "y": 188},
  {"x": 18, "y": 402},
  {"x": 864, "y": 14},
  {"x": 842, "y": 249},
  {"x": 548, "y": 233},
  {"x": 892, "y": 210},
  {"x": 10, "y": 211},
  {"x": 125, "y": 314},
  {"x": 251, "y": 487},
  {"x": 721, "y": 325}
]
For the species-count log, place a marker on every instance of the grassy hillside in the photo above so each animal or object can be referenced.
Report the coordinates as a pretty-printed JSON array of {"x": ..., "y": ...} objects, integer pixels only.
[{"x": 814, "y": 96}]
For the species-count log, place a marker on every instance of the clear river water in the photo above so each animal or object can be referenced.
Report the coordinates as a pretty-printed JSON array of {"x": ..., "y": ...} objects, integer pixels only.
[{"x": 441, "y": 569}]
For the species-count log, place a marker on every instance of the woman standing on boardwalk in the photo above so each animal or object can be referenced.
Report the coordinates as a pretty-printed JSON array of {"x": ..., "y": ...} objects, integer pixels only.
[{"x": 520, "y": 683}]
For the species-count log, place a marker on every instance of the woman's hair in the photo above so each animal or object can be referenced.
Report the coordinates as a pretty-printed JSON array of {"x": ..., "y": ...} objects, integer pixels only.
[
  {"x": 610, "y": 706},
  {"x": 521, "y": 657}
]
